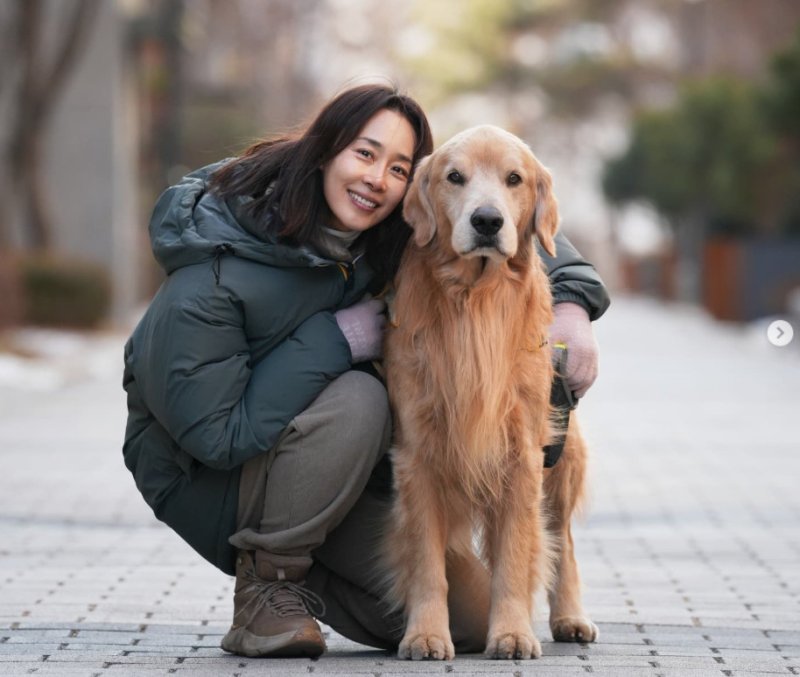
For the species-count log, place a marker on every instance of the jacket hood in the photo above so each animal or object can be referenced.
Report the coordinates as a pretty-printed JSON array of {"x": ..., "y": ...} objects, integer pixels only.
[{"x": 191, "y": 225}]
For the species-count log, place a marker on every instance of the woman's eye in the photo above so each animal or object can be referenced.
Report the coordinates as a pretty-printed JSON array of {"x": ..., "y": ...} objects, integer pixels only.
[
  {"x": 513, "y": 179},
  {"x": 401, "y": 171},
  {"x": 456, "y": 178},
  {"x": 364, "y": 153}
]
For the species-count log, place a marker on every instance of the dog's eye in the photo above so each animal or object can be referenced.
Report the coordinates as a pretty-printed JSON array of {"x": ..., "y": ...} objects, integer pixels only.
[
  {"x": 456, "y": 178},
  {"x": 513, "y": 179}
]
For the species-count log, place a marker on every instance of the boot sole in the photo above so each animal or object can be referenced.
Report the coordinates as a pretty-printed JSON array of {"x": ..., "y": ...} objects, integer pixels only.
[{"x": 293, "y": 644}]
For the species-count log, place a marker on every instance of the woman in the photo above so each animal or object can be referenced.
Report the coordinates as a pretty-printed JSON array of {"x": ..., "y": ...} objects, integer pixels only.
[{"x": 257, "y": 427}]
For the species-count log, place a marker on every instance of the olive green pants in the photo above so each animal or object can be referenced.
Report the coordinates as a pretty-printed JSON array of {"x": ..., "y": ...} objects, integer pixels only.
[{"x": 324, "y": 492}]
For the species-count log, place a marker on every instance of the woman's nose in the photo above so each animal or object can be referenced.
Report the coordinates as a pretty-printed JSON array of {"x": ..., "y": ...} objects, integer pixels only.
[{"x": 375, "y": 181}]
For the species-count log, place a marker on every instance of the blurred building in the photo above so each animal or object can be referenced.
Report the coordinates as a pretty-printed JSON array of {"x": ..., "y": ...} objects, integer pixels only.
[{"x": 732, "y": 36}]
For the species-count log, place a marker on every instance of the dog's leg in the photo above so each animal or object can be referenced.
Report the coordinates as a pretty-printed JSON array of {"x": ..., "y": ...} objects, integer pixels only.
[
  {"x": 518, "y": 555},
  {"x": 419, "y": 539},
  {"x": 563, "y": 491}
]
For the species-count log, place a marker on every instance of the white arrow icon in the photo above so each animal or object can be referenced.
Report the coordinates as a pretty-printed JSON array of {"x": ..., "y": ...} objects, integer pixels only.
[{"x": 780, "y": 333}]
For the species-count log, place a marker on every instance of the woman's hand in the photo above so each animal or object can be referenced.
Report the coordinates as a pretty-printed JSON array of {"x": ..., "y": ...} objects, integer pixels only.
[
  {"x": 572, "y": 326},
  {"x": 362, "y": 325}
]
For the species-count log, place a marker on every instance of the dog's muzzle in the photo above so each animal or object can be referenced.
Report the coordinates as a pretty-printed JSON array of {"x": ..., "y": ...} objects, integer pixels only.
[{"x": 486, "y": 221}]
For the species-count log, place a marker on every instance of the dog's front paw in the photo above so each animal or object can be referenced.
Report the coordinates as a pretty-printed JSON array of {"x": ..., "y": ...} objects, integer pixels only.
[
  {"x": 423, "y": 646},
  {"x": 513, "y": 645},
  {"x": 574, "y": 629}
]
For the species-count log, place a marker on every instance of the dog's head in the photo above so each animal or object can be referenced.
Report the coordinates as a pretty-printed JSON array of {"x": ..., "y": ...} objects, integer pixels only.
[{"x": 485, "y": 194}]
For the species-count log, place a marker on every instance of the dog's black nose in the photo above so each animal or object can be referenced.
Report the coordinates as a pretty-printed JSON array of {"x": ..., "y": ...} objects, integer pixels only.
[{"x": 486, "y": 220}]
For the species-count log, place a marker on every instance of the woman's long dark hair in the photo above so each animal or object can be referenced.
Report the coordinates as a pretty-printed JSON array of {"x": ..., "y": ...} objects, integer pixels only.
[{"x": 292, "y": 165}]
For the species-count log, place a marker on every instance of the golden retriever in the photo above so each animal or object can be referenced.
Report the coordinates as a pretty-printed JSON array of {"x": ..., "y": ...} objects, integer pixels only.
[{"x": 469, "y": 375}]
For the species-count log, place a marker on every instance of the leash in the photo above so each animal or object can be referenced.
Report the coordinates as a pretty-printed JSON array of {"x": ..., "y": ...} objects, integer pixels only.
[{"x": 563, "y": 402}]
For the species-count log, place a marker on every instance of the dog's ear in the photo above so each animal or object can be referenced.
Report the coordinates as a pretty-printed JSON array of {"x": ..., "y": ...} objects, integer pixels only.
[
  {"x": 545, "y": 218},
  {"x": 417, "y": 207}
]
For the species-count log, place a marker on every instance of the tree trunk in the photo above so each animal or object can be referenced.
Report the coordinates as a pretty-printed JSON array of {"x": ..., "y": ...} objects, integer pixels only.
[
  {"x": 35, "y": 206},
  {"x": 40, "y": 85}
]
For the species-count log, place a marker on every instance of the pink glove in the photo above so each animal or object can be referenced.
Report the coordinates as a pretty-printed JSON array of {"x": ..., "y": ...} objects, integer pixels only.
[
  {"x": 362, "y": 325},
  {"x": 572, "y": 326}
]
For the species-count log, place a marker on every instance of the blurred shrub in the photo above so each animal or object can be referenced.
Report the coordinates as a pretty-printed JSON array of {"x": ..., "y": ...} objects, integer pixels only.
[
  {"x": 10, "y": 301},
  {"x": 64, "y": 292}
]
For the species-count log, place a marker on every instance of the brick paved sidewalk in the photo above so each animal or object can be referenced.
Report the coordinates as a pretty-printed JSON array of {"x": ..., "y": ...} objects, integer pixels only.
[{"x": 690, "y": 551}]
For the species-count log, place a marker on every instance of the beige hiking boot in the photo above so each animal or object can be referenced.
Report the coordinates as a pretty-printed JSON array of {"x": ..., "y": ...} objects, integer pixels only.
[{"x": 271, "y": 609}]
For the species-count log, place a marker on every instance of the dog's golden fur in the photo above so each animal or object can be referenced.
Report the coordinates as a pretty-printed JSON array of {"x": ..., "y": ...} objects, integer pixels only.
[{"x": 469, "y": 376}]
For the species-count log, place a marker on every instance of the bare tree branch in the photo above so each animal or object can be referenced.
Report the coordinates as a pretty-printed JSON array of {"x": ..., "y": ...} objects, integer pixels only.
[{"x": 74, "y": 39}]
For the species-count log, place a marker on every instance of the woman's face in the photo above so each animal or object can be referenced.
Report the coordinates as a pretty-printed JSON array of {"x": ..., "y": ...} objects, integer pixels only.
[{"x": 369, "y": 178}]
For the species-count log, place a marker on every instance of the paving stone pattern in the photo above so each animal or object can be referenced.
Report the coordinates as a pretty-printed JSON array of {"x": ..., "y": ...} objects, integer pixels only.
[{"x": 690, "y": 548}]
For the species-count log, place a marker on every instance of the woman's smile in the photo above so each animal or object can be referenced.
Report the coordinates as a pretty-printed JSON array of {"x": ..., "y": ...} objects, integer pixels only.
[{"x": 361, "y": 201}]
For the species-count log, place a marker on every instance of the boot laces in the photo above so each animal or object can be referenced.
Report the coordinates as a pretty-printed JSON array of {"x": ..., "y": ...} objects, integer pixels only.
[{"x": 284, "y": 598}]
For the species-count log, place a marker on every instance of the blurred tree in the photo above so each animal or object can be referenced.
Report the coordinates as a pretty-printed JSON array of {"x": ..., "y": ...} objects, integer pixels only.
[
  {"x": 42, "y": 67},
  {"x": 706, "y": 164},
  {"x": 158, "y": 49},
  {"x": 167, "y": 125},
  {"x": 566, "y": 48},
  {"x": 781, "y": 99},
  {"x": 724, "y": 160},
  {"x": 704, "y": 161},
  {"x": 782, "y": 92},
  {"x": 468, "y": 49}
]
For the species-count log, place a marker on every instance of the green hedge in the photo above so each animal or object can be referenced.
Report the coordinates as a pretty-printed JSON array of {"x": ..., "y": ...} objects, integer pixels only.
[{"x": 64, "y": 292}]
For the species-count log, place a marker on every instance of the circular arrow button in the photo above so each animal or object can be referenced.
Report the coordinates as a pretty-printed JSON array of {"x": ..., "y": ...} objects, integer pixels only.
[{"x": 780, "y": 333}]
